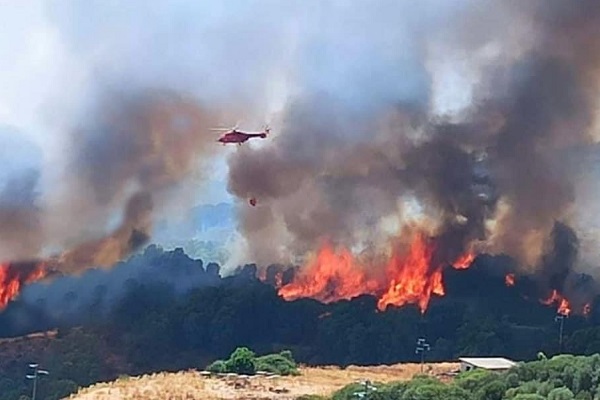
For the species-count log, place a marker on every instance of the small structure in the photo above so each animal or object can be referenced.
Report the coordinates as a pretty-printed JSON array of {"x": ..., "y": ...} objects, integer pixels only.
[{"x": 489, "y": 363}]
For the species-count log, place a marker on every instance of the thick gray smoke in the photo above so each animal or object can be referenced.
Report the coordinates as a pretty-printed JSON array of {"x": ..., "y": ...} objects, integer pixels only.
[
  {"x": 127, "y": 115},
  {"x": 362, "y": 149},
  {"x": 134, "y": 150},
  {"x": 122, "y": 107},
  {"x": 497, "y": 176},
  {"x": 19, "y": 215},
  {"x": 138, "y": 149}
]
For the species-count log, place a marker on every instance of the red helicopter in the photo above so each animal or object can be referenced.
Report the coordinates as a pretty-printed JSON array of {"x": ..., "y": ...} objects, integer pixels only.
[{"x": 239, "y": 137}]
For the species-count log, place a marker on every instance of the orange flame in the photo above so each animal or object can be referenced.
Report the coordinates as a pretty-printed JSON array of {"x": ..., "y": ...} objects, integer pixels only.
[
  {"x": 410, "y": 277},
  {"x": 412, "y": 281},
  {"x": 464, "y": 261},
  {"x": 278, "y": 279},
  {"x": 12, "y": 279},
  {"x": 331, "y": 276},
  {"x": 564, "y": 307},
  {"x": 509, "y": 280},
  {"x": 261, "y": 274}
]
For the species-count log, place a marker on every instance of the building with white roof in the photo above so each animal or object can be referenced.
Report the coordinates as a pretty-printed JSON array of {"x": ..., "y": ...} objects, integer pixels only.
[{"x": 488, "y": 363}]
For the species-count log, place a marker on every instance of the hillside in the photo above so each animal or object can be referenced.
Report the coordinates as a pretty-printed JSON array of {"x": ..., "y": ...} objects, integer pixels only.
[
  {"x": 191, "y": 385},
  {"x": 164, "y": 311}
]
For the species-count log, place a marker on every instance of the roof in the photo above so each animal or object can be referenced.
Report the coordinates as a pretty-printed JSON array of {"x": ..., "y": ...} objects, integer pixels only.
[{"x": 489, "y": 362}]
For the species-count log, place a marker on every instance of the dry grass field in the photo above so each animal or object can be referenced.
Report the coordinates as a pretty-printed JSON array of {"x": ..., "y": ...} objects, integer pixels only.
[{"x": 191, "y": 385}]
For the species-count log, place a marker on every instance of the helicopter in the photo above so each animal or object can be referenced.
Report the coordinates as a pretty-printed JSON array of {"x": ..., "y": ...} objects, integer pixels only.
[{"x": 233, "y": 135}]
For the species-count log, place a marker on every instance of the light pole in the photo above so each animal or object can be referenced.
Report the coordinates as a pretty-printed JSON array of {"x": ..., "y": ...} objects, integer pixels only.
[
  {"x": 34, "y": 376},
  {"x": 364, "y": 394},
  {"x": 422, "y": 347},
  {"x": 560, "y": 317}
]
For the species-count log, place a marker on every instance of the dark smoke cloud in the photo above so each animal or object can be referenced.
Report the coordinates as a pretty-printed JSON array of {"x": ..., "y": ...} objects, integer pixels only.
[
  {"x": 129, "y": 154},
  {"x": 114, "y": 134},
  {"x": 151, "y": 138},
  {"x": 498, "y": 179},
  {"x": 20, "y": 214},
  {"x": 135, "y": 148},
  {"x": 20, "y": 221},
  {"x": 105, "y": 252},
  {"x": 549, "y": 109},
  {"x": 360, "y": 141}
]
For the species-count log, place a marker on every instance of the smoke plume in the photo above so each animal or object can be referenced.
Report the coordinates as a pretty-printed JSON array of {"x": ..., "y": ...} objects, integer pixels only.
[
  {"x": 120, "y": 102},
  {"x": 137, "y": 149},
  {"x": 358, "y": 163},
  {"x": 20, "y": 216},
  {"x": 465, "y": 121},
  {"x": 133, "y": 152}
]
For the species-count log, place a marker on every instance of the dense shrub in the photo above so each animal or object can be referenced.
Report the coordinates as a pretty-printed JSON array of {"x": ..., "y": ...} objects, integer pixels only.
[
  {"x": 277, "y": 364},
  {"x": 537, "y": 380},
  {"x": 219, "y": 366},
  {"x": 241, "y": 361},
  {"x": 244, "y": 361}
]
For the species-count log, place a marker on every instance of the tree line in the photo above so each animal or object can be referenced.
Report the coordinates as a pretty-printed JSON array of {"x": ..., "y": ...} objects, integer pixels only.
[
  {"x": 165, "y": 324},
  {"x": 563, "y": 377}
]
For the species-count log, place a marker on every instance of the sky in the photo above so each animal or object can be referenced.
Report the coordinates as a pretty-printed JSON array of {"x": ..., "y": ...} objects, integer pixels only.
[{"x": 58, "y": 55}]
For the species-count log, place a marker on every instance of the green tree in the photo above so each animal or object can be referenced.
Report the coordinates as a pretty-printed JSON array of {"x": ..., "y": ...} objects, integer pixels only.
[
  {"x": 475, "y": 379},
  {"x": 219, "y": 366},
  {"x": 58, "y": 389},
  {"x": 583, "y": 396},
  {"x": 491, "y": 391},
  {"x": 242, "y": 361},
  {"x": 347, "y": 392},
  {"x": 561, "y": 393},
  {"x": 430, "y": 391},
  {"x": 282, "y": 363}
]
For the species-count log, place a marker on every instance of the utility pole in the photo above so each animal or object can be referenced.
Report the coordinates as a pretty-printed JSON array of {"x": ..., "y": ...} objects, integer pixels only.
[
  {"x": 34, "y": 376},
  {"x": 422, "y": 347},
  {"x": 560, "y": 318},
  {"x": 369, "y": 388}
]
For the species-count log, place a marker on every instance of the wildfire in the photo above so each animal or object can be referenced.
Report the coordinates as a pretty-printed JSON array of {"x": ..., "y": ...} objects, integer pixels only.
[
  {"x": 412, "y": 280},
  {"x": 509, "y": 280},
  {"x": 410, "y": 277},
  {"x": 564, "y": 308},
  {"x": 464, "y": 261},
  {"x": 261, "y": 274},
  {"x": 13, "y": 278},
  {"x": 278, "y": 279},
  {"x": 329, "y": 277}
]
